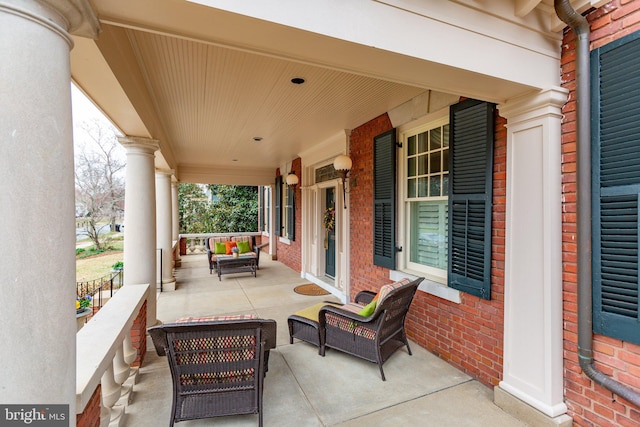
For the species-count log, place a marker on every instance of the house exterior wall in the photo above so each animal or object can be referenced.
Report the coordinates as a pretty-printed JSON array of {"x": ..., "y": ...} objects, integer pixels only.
[
  {"x": 590, "y": 404},
  {"x": 468, "y": 335},
  {"x": 290, "y": 254}
]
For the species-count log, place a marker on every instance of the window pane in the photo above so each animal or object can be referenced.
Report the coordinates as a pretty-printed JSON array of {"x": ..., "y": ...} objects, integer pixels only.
[
  {"x": 436, "y": 138},
  {"x": 434, "y": 186},
  {"x": 422, "y": 164},
  {"x": 411, "y": 188},
  {"x": 422, "y": 142},
  {"x": 434, "y": 162},
  {"x": 445, "y": 184},
  {"x": 428, "y": 233},
  {"x": 412, "y": 145},
  {"x": 422, "y": 186},
  {"x": 445, "y": 135},
  {"x": 445, "y": 160},
  {"x": 411, "y": 166}
]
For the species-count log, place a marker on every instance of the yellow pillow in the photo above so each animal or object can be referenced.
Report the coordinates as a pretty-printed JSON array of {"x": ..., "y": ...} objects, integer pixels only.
[{"x": 368, "y": 309}]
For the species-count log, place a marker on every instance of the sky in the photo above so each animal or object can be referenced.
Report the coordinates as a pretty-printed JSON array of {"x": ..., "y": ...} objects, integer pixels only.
[{"x": 83, "y": 110}]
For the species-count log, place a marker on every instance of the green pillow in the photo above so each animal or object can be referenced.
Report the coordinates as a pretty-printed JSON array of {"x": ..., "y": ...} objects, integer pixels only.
[
  {"x": 243, "y": 247},
  {"x": 221, "y": 248},
  {"x": 368, "y": 309}
]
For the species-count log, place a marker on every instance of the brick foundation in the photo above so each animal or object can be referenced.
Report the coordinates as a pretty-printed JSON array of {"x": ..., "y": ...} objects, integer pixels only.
[
  {"x": 139, "y": 335},
  {"x": 91, "y": 415}
]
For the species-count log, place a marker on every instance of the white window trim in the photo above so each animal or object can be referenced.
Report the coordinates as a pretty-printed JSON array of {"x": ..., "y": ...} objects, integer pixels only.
[{"x": 435, "y": 282}]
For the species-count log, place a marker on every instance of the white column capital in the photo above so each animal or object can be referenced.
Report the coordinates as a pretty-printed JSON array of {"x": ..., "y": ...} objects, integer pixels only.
[
  {"x": 166, "y": 172},
  {"x": 534, "y": 105},
  {"x": 143, "y": 145},
  {"x": 62, "y": 17}
]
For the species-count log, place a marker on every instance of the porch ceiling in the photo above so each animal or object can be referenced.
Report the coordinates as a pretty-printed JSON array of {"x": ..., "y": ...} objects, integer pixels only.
[{"x": 204, "y": 82}]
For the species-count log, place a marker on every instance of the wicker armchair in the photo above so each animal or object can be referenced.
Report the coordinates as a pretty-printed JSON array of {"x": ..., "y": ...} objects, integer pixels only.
[
  {"x": 374, "y": 338},
  {"x": 217, "y": 367}
]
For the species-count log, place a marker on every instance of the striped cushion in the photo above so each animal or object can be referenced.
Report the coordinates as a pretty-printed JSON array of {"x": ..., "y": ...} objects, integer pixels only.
[
  {"x": 386, "y": 290},
  {"x": 212, "y": 318}
]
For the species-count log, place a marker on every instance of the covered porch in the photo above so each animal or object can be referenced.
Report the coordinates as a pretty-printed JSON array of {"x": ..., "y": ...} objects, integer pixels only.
[{"x": 302, "y": 388}]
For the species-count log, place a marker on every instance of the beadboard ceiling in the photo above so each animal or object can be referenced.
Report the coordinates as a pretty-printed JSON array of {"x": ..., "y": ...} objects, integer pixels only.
[{"x": 205, "y": 82}]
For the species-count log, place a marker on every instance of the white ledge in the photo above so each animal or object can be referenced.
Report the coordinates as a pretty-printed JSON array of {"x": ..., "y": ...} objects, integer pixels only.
[
  {"x": 101, "y": 337},
  {"x": 429, "y": 286}
]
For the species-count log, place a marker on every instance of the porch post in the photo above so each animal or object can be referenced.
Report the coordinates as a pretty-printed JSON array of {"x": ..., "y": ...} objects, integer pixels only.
[
  {"x": 140, "y": 218},
  {"x": 37, "y": 277},
  {"x": 533, "y": 343},
  {"x": 163, "y": 228},
  {"x": 175, "y": 221}
]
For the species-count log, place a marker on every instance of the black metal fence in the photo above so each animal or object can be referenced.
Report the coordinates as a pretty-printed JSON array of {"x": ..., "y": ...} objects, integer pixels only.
[{"x": 100, "y": 289}]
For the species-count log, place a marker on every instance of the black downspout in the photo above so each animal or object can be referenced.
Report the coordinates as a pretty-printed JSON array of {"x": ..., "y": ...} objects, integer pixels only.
[{"x": 580, "y": 26}]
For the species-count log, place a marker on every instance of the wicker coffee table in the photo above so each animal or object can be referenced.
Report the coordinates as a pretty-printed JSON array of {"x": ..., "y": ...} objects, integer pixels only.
[{"x": 230, "y": 265}]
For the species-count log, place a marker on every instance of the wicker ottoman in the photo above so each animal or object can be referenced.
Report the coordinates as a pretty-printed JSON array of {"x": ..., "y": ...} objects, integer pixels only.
[{"x": 303, "y": 325}]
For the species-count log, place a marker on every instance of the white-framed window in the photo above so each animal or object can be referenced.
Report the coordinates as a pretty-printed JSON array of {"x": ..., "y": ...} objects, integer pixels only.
[
  {"x": 265, "y": 206},
  {"x": 425, "y": 188}
]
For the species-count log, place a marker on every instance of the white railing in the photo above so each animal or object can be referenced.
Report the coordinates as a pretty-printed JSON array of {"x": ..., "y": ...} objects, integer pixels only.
[
  {"x": 104, "y": 354},
  {"x": 195, "y": 241}
]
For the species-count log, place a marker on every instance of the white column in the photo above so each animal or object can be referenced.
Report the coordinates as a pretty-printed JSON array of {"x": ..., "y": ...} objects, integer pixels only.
[
  {"x": 533, "y": 261},
  {"x": 175, "y": 221},
  {"x": 37, "y": 278},
  {"x": 164, "y": 215},
  {"x": 140, "y": 218}
]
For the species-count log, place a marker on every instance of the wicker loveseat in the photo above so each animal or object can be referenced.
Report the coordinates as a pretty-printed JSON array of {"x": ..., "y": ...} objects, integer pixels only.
[
  {"x": 217, "y": 367},
  {"x": 374, "y": 337},
  {"x": 210, "y": 246}
]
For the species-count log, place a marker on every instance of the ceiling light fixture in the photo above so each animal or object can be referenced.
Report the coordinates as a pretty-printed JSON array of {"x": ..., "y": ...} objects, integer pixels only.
[
  {"x": 257, "y": 138},
  {"x": 297, "y": 80}
]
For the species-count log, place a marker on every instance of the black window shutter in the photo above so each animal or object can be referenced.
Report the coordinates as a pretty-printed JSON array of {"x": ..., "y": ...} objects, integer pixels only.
[
  {"x": 615, "y": 187},
  {"x": 384, "y": 199},
  {"x": 291, "y": 214},
  {"x": 278, "y": 203},
  {"x": 470, "y": 191}
]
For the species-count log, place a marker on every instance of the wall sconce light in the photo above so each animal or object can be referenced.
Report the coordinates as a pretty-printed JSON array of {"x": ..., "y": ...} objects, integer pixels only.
[
  {"x": 342, "y": 164},
  {"x": 292, "y": 180}
]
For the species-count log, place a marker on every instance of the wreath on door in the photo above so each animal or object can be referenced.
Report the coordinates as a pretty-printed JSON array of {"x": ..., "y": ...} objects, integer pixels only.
[{"x": 329, "y": 218}]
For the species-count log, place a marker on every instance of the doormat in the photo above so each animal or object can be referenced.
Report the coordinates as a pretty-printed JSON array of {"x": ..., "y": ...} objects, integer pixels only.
[{"x": 310, "y": 289}]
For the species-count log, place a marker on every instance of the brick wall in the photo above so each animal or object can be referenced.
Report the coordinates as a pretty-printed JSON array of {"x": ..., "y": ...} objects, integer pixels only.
[
  {"x": 291, "y": 254},
  {"x": 467, "y": 335},
  {"x": 90, "y": 417},
  {"x": 364, "y": 275},
  {"x": 139, "y": 335},
  {"x": 590, "y": 404}
]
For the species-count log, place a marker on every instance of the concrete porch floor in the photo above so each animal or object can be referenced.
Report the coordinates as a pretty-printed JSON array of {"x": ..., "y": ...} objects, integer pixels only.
[{"x": 301, "y": 388}]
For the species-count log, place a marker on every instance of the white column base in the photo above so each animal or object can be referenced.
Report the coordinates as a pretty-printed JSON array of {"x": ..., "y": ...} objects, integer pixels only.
[
  {"x": 168, "y": 285},
  {"x": 527, "y": 413}
]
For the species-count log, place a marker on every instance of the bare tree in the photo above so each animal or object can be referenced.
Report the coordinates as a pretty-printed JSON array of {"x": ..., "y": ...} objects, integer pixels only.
[{"x": 99, "y": 178}]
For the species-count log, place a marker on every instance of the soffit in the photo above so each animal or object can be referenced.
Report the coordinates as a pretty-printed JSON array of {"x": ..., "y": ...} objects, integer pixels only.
[{"x": 205, "y": 82}]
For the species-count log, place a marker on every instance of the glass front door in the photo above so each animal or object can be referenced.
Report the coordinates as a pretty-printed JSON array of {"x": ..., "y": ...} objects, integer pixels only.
[{"x": 330, "y": 236}]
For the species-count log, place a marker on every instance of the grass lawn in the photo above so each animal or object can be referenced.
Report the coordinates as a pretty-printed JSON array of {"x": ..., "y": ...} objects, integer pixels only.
[
  {"x": 91, "y": 265},
  {"x": 96, "y": 266}
]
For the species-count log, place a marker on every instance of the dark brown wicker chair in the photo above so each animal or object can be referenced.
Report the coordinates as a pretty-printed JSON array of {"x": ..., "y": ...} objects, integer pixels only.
[
  {"x": 372, "y": 338},
  {"x": 217, "y": 367}
]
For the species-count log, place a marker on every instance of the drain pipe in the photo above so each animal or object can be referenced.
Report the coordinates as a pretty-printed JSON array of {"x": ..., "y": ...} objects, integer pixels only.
[{"x": 580, "y": 26}]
